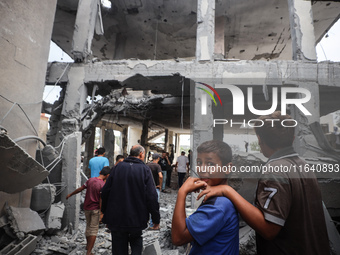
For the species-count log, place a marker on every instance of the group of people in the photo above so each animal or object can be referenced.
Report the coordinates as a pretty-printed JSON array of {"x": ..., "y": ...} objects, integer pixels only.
[{"x": 287, "y": 213}]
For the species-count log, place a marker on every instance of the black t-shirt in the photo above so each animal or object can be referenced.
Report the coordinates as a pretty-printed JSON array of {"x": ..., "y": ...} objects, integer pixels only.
[
  {"x": 155, "y": 169},
  {"x": 164, "y": 164}
]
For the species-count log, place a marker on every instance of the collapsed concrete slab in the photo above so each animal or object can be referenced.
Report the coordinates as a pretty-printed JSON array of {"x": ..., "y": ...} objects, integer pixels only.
[
  {"x": 54, "y": 217},
  {"x": 43, "y": 196},
  {"x": 24, "y": 221},
  {"x": 19, "y": 171}
]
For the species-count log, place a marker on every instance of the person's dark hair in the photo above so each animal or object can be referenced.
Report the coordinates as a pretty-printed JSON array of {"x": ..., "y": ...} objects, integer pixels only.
[
  {"x": 101, "y": 151},
  {"x": 222, "y": 150},
  {"x": 136, "y": 150},
  {"x": 119, "y": 157},
  {"x": 105, "y": 171},
  {"x": 273, "y": 133}
]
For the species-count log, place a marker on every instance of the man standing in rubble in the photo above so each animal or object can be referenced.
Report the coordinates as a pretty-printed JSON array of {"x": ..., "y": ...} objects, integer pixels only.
[
  {"x": 165, "y": 165},
  {"x": 97, "y": 163},
  {"x": 288, "y": 213},
  {"x": 128, "y": 197}
]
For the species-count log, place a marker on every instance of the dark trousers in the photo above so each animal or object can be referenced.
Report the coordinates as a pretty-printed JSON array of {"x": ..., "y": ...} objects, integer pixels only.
[
  {"x": 168, "y": 176},
  {"x": 180, "y": 179},
  {"x": 121, "y": 240}
]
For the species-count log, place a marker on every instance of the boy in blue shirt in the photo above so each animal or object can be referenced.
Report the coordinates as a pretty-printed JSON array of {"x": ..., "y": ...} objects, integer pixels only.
[{"x": 214, "y": 227}]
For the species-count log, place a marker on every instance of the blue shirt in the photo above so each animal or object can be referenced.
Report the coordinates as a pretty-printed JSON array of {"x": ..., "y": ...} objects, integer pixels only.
[
  {"x": 215, "y": 227},
  {"x": 96, "y": 164}
]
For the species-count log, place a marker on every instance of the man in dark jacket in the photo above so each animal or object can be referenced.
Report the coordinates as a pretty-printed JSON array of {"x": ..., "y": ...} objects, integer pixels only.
[{"x": 128, "y": 197}]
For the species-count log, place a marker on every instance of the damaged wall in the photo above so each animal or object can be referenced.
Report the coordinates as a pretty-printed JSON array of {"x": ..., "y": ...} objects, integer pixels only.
[{"x": 25, "y": 32}]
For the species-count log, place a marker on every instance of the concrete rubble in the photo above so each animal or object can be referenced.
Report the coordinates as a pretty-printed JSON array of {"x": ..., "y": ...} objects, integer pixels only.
[
  {"x": 23, "y": 247},
  {"x": 24, "y": 221},
  {"x": 54, "y": 218}
]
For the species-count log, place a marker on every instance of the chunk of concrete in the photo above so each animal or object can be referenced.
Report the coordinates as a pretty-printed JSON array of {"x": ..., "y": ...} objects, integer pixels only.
[
  {"x": 43, "y": 196},
  {"x": 54, "y": 217},
  {"x": 24, "y": 221},
  {"x": 153, "y": 249},
  {"x": 247, "y": 241},
  {"x": 19, "y": 171},
  {"x": 17, "y": 247}
]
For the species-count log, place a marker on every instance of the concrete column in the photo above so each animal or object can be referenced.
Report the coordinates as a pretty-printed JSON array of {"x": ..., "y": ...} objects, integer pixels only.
[
  {"x": 102, "y": 135},
  {"x": 302, "y": 30},
  {"x": 166, "y": 140},
  {"x": 144, "y": 136},
  {"x": 125, "y": 141},
  {"x": 89, "y": 149},
  {"x": 205, "y": 36},
  {"x": 202, "y": 126},
  {"x": 219, "y": 51},
  {"x": 88, "y": 16},
  {"x": 218, "y": 130},
  {"x": 109, "y": 145},
  {"x": 75, "y": 98},
  {"x": 71, "y": 178},
  {"x": 303, "y": 133}
]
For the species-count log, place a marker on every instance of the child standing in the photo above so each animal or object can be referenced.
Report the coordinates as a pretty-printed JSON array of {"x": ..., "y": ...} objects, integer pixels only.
[
  {"x": 213, "y": 228},
  {"x": 92, "y": 205}
]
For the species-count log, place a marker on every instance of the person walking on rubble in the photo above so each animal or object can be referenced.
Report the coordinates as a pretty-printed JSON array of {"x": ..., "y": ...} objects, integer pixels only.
[
  {"x": 165, "y": 164},
  {"x": 92, "y": 206},
  {"x": 128, "y": 197},
  {"x": 157, "y": 177},
  {"x": 182, "y": 167},
  {"x": 288, "y": 213},
  {"x": 97, "y": 163}
]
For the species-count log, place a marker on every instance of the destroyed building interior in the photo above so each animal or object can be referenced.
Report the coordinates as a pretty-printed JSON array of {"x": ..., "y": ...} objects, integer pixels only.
[{"x": 134, "y": 66}]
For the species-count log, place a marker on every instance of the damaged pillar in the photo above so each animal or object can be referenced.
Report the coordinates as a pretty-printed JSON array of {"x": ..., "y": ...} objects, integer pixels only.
[
  {"x": 219, "y": 38},
  {"x": 166, "y": 140},
  {"x": 144, "y": 136},
  {"x": 71, "y": 179},
  {"x": 88, "y": 21},
  {"x": 125, "y": 141},
  {"x": 303, "y": 46},
  {"x": 89, "y": 151},
  {"x": 205, "y": 36},
  {"x": 303, "y": 133},
  {"x": 75, "y": 98},
  {"x": 201, "y": 125},
  {"x": 109, "y": 145},
  {"x": 302, "y": 30}
]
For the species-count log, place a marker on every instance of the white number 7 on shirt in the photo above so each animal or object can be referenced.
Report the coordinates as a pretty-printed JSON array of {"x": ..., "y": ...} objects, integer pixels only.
[{"x": 274, "y": 191}]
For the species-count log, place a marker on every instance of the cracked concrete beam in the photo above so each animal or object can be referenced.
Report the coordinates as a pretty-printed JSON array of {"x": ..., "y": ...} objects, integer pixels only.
[
  {"x": 302, "y": 30},
  {"x": 276, "y": 72},
  {"x": 88, "y": 17}
]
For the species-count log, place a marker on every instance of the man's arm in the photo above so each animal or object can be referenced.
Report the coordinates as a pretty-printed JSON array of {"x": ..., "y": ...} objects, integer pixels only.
[
  {"x": 160, "y": 177},
  {"x": 76, "y": 191},
  {"x": 250, "y": 214},
  {"x": 179, "y": 233}
]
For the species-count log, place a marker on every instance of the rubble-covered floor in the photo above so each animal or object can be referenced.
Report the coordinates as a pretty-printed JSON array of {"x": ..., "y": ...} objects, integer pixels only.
[
  {"x": 68, "y": 242},
  {"x": 155, "y": 242}
]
